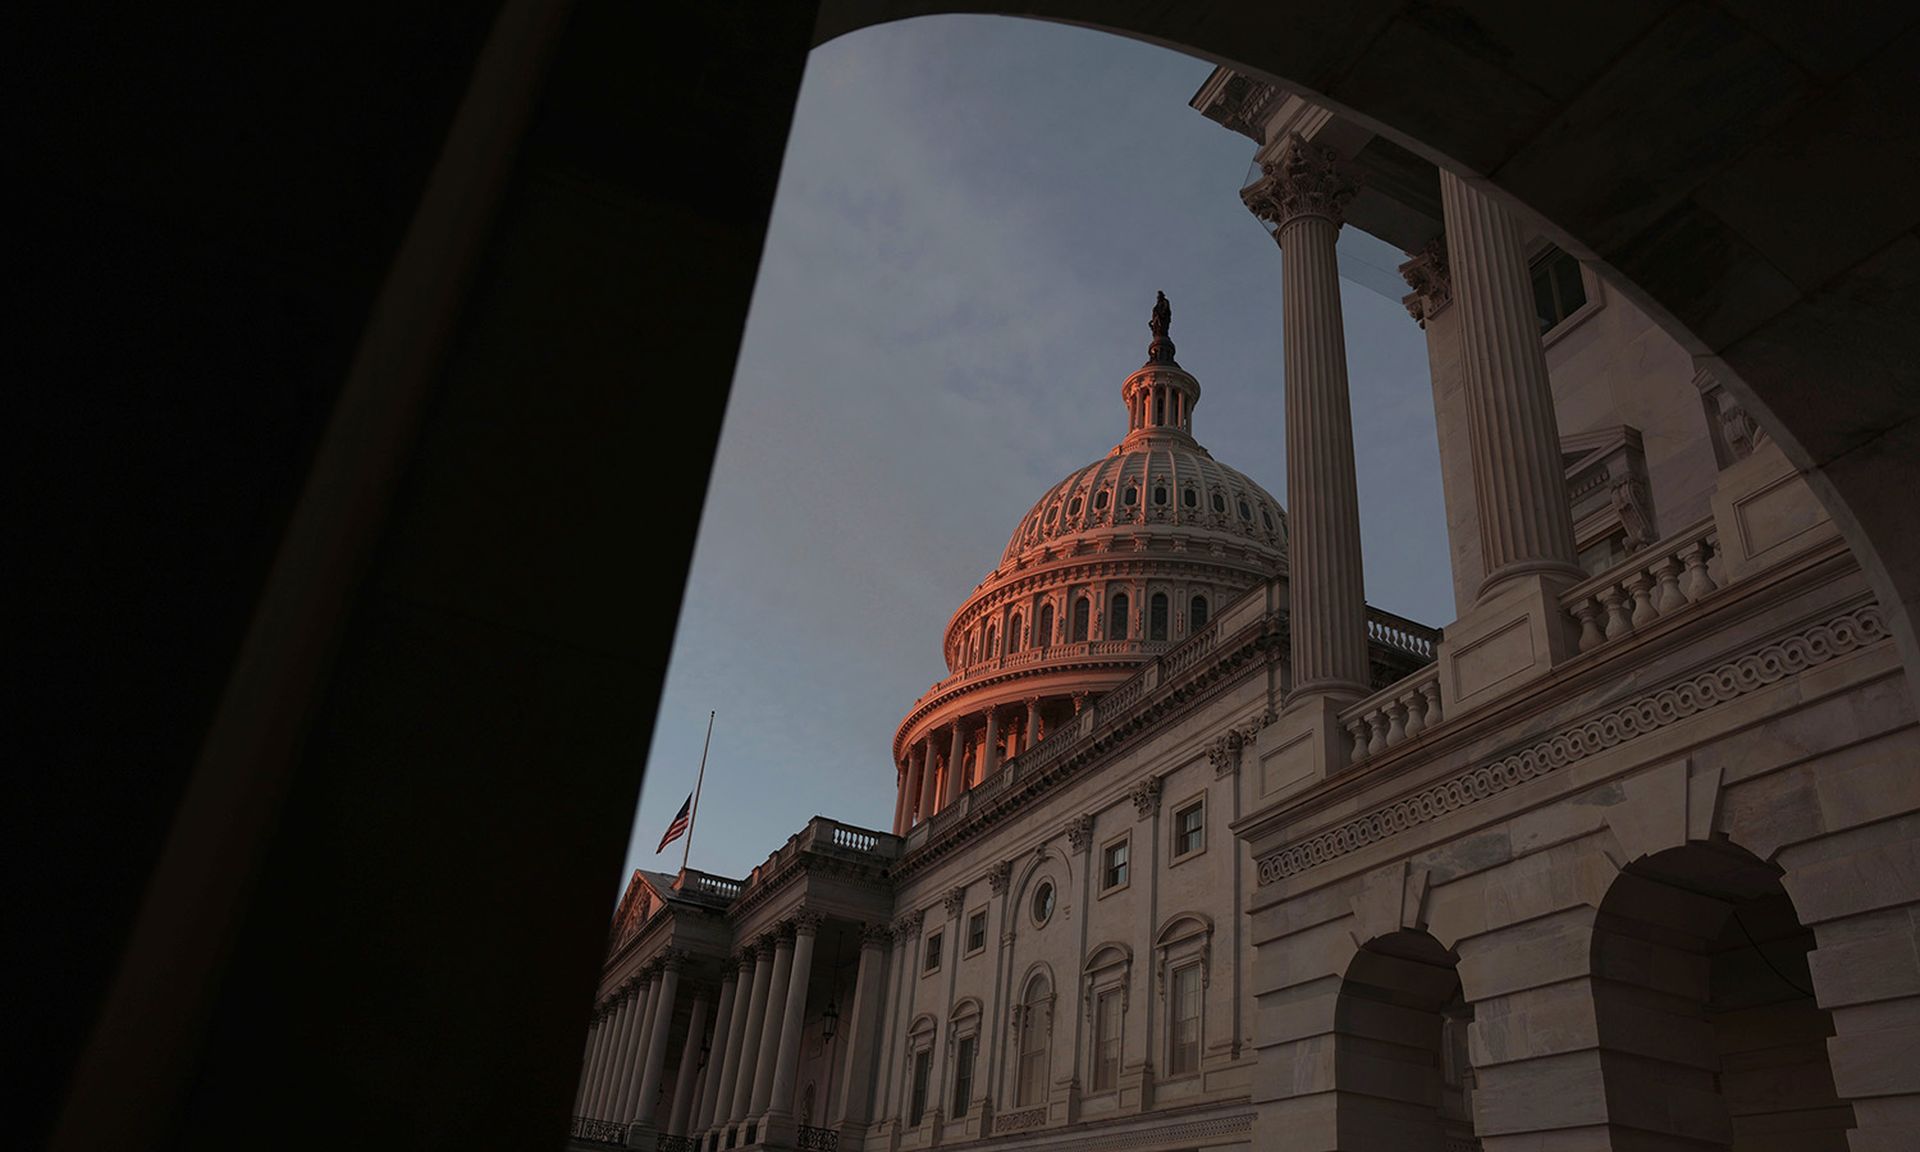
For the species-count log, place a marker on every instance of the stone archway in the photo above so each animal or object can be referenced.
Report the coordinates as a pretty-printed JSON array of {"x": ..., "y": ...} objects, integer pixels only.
[
  {"x": 1402, "y": 1073},
  {"x": 1709, "y": 1032}
]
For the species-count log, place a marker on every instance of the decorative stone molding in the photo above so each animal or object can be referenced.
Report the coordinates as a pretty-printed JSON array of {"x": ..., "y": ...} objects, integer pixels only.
[
  {"x": 1768, "y": 664},
  {"x": 1080, "y": 833},
  {"x": 1306, "y": 180},
  {"x": 1431, "y": 280},
  {"x": 1146, "y": 797},
  {"x": 673, "y": 959},
  {"x": 1225, "y": 753},
  {"x": 955, "y": 902},
  {"x": 1735, "y": 434},
  {"x": 908, "y": 926},
  {"x": 806, "y": 922},
  {"x": 877, "y": 935},
  {"x": 1006, "y": 938},
  {"x": 764, "y": 944},
  {"x": 999, "y": 876}
]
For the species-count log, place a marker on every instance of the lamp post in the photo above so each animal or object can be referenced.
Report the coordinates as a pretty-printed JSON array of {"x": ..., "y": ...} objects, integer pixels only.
[{"x": 829, "y": 1027}]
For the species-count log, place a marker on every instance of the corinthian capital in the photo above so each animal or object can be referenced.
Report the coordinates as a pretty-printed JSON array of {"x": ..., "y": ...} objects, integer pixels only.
[
  {"x": 1307, "y": 180},
  {"x": 1431, "y": 280}
]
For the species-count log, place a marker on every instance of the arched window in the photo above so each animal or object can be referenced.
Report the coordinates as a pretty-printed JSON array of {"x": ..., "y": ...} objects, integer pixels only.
[
  {"x": 1160, "y": 495},
  {"x": 1073, "y": 506},
  {"x": 1036, "y": 1030},
  {"x": 1196, "y": 615},
  {"x": 1013, "y": 634},
  {"x": 1117, "y": 617},
  {"x": 1157, "y": 617},
  {"x": 1191, "y": 497},
  {"x": 1082, "y": 609},
  {"x": 991, "y": 637},
  {"x": 1100, "y": 500},
  {"x": 1219, "y": 503},
  {"x": 1043, "y": 635},
  {"x": 1246, "y": 510}
]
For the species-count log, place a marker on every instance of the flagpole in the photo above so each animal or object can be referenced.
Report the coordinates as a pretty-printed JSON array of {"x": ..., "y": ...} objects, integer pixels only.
[{"x": 699, "y": 780}]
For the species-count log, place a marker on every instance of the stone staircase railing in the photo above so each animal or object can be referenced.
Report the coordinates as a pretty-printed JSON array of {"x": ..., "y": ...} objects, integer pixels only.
[{"x": 1656, "y": 581}]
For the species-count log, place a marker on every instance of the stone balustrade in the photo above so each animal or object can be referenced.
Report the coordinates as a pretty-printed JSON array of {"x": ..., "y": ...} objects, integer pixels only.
[
  {"x": 1654, "y": 582},
  {"x": 1394, "y": 715},
  {"x": 1401, "y": 634}
]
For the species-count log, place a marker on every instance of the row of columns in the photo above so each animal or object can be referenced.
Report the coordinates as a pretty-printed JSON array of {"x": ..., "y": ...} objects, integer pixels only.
[
  {"x": 627, "y": 1046},
  {"x": 920, "y": 791},
  {"x": 1519, "y": 484},
  {"x": 757, "y": 1036}
]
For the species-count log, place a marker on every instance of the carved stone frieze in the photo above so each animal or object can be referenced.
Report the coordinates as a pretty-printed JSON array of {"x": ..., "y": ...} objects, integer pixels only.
[{"x": 1307, "y": 179}]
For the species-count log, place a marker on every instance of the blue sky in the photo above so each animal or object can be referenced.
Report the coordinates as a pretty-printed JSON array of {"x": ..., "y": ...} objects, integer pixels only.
[{"x": 973, "y": 217}]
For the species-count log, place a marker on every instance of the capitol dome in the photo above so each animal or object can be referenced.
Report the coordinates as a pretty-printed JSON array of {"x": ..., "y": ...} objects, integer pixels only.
[{"x": 1115, "y": 564}]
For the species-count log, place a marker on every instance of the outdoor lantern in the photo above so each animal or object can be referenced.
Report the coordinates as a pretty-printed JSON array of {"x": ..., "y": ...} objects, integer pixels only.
[{"x": 829, "y": 1021}]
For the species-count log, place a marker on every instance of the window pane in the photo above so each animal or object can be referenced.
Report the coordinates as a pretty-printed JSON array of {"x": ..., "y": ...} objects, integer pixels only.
[
  {"x": 932, "y": 959},
  {"x": 1106, "y": 1062},
  {"x": 1197, "y": 614},
  {"x": 1568, "y": 287},
  {"x": 1191, "y": 830},
  {"x": 1116, "y": 866},
  {"x": 1185, "y": 1033},
  {"x": 977, "y": 932},
  {"x": 963, "y": 1076},
  {"x": 1157, "y": 617},
  {"x": 922, "y": 1065},
  {"x": 1117, "y": 618}
]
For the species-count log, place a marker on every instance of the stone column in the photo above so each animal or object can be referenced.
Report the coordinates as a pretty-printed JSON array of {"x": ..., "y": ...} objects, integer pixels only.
[
  {"x": 640, "y": 1108},
  {"x": 607, "y": 1091},
  {"x": 988, "y": 756},
  {"x": 776, "y": 1015},
  {"x": 929, "y": 780},
  {"x": 721, "y": 1108},
  {"x": 1519, "y": 482},
  {"x": 806, "y": 925},
  {"x": 591, "y": 1072},
  {"x": 722, "y": 1041},
  {"x": 855, "y": 1106},
  {"x": 1305, "y": 193},
  {"x": 586, "y": 1066},
  {"x": 1032, "y": 733},
  {"x": 626, "y": 1081},
  {"x": 750, "y": 1035},
  {"x": 901, "y": 790},
  {"x": 689, "y": 1068},
  {"x": 956, "y": 764}
]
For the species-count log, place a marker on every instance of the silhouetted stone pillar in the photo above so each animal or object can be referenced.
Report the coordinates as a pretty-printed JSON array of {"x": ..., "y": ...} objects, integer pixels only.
[
  {"x": 929, "y": 780},
  {"x": 689, "y": 1068},
  {"x": 641, "y": 1107},
  {"x": 626, "y": 1081},
  {"x": 956, "y": 764},
  {"x": 723, "y": 1041},
  {"x": 988, "y": 752},
  {"x": 855, "y": 1106}
]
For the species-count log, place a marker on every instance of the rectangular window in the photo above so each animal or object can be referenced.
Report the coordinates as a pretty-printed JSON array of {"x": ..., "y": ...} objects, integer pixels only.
[
  {"x": 1183, "y": 1036},
  {"x": 962, "y": 1075},
  {"x": 1190, "y": 829},
  {"x": 977, "y": 931},
  {"x": 1113, "y": 865},
  {"x": 922, "y": 1068},
  {"x": 931, "y": 962},
  {"x": 1557, "y": 288},
  {"x": 1106, "y": 1041}
]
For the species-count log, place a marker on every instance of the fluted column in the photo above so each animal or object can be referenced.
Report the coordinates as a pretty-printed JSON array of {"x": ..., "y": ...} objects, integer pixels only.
[
  {"x": 929, "y": 781},
  {"x": 586, "y": 1066},
  {"x": 1032, "y": 734},
  {"x": 855, "y": 1105},
  {"x": 988, "y": 754},
  {"x": 956, "y": 763},
  {"x": 1305, "y": 193},
  {"x": 1519, "y": 482},
  {"x": 750, "y": 1037},
  {"x": 689, "y": 1068},
  {"x": 736, "y": 1043},
  {"x": 776, "y": 1018},
  {"x": 722, "y": 1043},
  {"x": 787, "y": 1067},
  {"x": 641, "y": 1107}
]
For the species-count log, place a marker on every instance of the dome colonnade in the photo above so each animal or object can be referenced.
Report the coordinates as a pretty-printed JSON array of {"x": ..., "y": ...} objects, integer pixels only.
[{"x": 1119, "y": 561}]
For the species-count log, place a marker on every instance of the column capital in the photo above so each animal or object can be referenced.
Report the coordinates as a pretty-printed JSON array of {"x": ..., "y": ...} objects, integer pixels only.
[
  {"x": 1431, "y": 279},
  {"x": 875, "y": 935},
  {"x": 1146, "y": 797},
  {"x": 673, "y": 959},
  {"x": 763, "y": 945},
  {"x": 999, "y": 876},
  {"x": 907, "y": 926},
  {"x": 1307, "y": 179},
  {"x": 806, "y": 922},
  {"x": 1080, "y": 833},
  {"x": 955, "y": 902}
]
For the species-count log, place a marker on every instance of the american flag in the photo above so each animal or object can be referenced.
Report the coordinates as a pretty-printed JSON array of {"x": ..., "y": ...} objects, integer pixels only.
[{"x": 678, "y": 828}]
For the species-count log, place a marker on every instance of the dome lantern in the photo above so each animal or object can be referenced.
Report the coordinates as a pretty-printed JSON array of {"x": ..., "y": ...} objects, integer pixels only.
[{"x": 1161, "y": 395}]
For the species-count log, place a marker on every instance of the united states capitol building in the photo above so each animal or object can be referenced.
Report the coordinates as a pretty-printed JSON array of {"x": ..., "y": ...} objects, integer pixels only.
[{"x": 1193, "y": 848}]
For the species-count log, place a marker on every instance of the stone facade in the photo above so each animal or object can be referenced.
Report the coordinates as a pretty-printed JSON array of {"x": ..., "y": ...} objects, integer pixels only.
[{"x": 1628, "y": 857}]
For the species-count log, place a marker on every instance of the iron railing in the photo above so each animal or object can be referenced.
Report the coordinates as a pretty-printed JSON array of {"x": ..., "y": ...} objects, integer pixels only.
[
  {"x": 816, "y": 1139},
  {"x": 592, "y": 1131}
]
